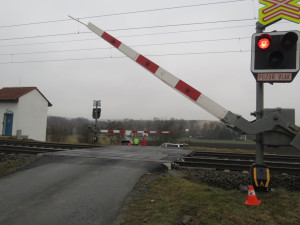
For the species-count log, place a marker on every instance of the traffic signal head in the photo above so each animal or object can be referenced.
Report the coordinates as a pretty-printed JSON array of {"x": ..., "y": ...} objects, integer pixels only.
[
  {"x": 96, "y": 113},
  {"x": 275, "y": 56}
]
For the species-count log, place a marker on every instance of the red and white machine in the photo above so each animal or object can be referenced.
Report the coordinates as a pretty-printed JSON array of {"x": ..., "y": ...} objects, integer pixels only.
[
  {"x": 136, "y": 132},
  {"x": 276, "y": 122}
]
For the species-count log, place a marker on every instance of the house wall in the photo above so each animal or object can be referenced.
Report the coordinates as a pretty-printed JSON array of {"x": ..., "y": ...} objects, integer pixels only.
[{"x": 30, "y": 115}]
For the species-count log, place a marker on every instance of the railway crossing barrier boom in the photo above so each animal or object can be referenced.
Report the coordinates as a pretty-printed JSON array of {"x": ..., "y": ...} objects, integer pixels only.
[
  {"x": 275, "y": 122},
  {"x": 275, "y": 58}
]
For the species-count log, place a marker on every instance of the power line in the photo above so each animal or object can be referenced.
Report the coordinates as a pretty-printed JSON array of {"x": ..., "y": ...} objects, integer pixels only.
[
  {"x": 123, "y": 13},
  {"x": 132, "y": 35},
  {"x": 41, "y": 36},
  {"x": 185, "y": 31},
  {"x": 141, "y": 45},
  {"x": 160, "y": 9},
  {"x": 57, "y": 51},
  {"x": 200, "y": 53},
  {"x": 34, "y": 23},
  {"x": 183, "y": 24},
  {"x": 118, "y": 57},
  {"x": 48, "y": 42},
  {"x": 133, "y": 28}
]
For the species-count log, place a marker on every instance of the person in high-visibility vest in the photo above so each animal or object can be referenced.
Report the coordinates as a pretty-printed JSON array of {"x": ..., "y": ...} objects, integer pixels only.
[{"x": 136, "y": 141}]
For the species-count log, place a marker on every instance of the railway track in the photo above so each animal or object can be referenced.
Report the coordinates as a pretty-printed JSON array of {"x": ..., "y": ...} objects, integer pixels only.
[
  {"x": 238, "y": 162},
  {"x": 35, "y": 147},
  {"x": 27, "y": 149}
]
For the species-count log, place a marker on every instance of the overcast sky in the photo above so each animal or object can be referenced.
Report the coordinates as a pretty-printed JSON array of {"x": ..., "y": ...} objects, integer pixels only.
[{"x": 40, "y": 46}]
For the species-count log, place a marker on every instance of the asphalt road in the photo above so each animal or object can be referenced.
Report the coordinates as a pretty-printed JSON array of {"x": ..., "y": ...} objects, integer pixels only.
[{"x": 78, "y": 187}]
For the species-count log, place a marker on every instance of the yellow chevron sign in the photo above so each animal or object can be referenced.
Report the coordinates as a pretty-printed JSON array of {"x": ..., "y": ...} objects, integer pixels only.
[{"x": 276, "y": 9}]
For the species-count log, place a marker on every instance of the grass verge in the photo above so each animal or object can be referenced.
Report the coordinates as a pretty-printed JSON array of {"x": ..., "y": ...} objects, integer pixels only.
[
  {"x": 171, "y": 200},
  {"x": 9, "y": 163}
]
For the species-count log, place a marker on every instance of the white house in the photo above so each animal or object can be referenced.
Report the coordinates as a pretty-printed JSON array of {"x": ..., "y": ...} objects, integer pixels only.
[{"x": 23, "y": 111}]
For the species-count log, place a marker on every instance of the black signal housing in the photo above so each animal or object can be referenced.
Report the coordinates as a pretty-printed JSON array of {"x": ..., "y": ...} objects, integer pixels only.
[{"x": 276, "y": 60}]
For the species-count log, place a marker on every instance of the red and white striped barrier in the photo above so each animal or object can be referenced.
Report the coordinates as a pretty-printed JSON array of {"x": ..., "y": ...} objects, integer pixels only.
[
  {"x": 137, "y": 132},
  {"x": 188, "y": 91}
]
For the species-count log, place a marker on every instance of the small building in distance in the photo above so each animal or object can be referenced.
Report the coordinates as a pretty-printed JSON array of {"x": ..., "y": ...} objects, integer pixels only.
[{"x": 23, "y": 112}]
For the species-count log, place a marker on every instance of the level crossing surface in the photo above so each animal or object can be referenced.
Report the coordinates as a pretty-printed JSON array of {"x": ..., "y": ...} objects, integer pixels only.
[{"x": 84, "y": 186}]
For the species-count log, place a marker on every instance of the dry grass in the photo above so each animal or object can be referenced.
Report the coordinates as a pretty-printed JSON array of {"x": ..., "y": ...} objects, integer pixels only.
[
  {"x": 11, "y": 162},
  {"x": 169, "y": 200}
]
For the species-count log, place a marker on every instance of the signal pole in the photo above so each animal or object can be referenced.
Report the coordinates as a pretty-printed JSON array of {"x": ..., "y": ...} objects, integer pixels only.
[
  {"x": 259, "y": 159},
  {"x": 259, "y": 171},
  {"x": 259, "y": 109},
  {"x": 96, "y": 115}
]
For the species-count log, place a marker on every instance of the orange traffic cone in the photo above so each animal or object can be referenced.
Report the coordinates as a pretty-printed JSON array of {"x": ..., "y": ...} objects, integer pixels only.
[{"x": 252, "y": 200}]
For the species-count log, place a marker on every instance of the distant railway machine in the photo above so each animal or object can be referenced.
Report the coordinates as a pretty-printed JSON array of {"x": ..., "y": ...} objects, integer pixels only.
[
  {"x": 275, "y": 58},
  {"x": 136, "y": 132},
  {"x": 94, "y": 131}
]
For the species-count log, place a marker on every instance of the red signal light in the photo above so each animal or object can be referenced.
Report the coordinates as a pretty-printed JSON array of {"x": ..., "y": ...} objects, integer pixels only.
[{"x": 264, "y": 43}]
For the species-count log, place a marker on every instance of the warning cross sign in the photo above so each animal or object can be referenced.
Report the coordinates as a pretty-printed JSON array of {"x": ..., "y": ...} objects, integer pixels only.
[{"x": 279, "y": 9}]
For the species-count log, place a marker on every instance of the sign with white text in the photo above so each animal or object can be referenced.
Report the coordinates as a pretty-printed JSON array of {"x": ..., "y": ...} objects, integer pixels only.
[{"x": 274, "y": 77}]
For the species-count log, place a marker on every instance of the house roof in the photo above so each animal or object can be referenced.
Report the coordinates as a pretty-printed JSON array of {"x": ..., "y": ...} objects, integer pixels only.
[{"x": 14, "y": 93}]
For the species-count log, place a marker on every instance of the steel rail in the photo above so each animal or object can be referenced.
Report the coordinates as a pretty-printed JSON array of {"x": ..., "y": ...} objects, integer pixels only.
[
  {"x": 232, "y": 167},
  {"x": 246, "y": 162},
  {"x": 27, "y": 149},
  {"x": 234, "y": 164},
  {"x": 45, "y": 144},
  {"x": 279, "y": 158}
]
